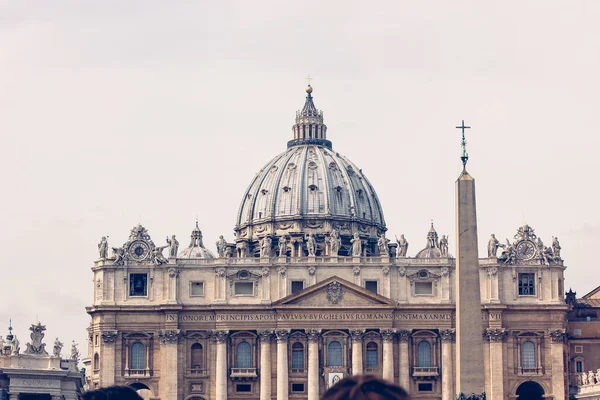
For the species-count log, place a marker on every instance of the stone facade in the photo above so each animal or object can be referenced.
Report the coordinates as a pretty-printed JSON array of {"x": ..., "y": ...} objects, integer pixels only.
[{"x": 304, "y": 297}]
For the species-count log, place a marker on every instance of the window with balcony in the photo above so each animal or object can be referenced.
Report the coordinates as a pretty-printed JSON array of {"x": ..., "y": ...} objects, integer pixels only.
[
  {"x": 527, "y": 284},
  {"x": 138, "y": 358},
  {"x": 196, "y": 358},
  {"x": 424, "y": 354},
  {"x": 372, "y": 356},
  {"x": 243, "y": 355},
  {"x": 138, "y": 285},
  {"x": 297, "y": 357},
  {"x": 528, "y": 357},
  {"x": 334, "y": 354}
]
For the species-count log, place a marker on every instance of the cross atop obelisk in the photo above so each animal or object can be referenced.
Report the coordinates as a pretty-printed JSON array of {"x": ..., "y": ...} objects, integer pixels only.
[{"x": 465, "y": 156}]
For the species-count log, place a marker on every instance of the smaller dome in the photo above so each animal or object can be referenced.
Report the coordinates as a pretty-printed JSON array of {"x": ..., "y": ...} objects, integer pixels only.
[
  {"x": 196, "y": 248},
  {"x": 435, "y": 248}
]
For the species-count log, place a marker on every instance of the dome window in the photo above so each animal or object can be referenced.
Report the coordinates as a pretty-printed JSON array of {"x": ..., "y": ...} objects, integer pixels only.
[
  {"x": 286, "y": 188},
  {"x": 338, "y": 189},
  {"x": 264, "y": 191},
  {"x": 312, "y": 187},
  {"x": 360, "y": 193}
]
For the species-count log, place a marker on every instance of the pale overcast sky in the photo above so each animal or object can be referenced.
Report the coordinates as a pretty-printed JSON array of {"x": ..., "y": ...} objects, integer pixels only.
[{"x": 115, "y": 112}]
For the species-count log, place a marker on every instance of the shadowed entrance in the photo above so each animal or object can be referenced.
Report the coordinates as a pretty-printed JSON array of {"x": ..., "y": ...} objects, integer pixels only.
[{"x": 530, "y": 391}]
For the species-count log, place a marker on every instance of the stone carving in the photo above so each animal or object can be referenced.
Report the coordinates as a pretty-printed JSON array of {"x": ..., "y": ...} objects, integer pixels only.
[
  {"x": 173, "y": 272},
  {"x": 58, "y": 345},
  {"x": 313, "y": 335},
  {"x": 283, "y": 246},
  {"x": 170, "y": 336},
  {"x": 118, "y": 255},
  {"x": 173, "y": 246},
  {"x": 242, "y": 250},
  {"x": 36, "y": 346},
  {"x": 448, "y": 335},
  {"x": 472, "y": 396},
  {"x": 16, "y": 348},
  {"x": 265, "y": 271},
  {"x": 493, "y": 244},
  {"x": 265, "y": 336},
  {"x": 598, "y": 375},
  {"x": 312, "y": 271},
  {"x": 492, "y": 271},
  {"x": 221, "y": 246},
  {"x": 403, "y": 335},
  {"x": 388, "y": 334},
  {"x": 282, "y": 335},
  {"x": 382, "y": 245},
  {"x": 402, "y": 271},
  {"x": 103, "y": 248},
  {"x": 525, "y": 232},
  {"x": 556, "y": 248},
  {"x": 314, "y": 224},
  {"x": 334, "y": 292},
  {"x": 385, "y": 270},
  {"x": 109, "y": 336},
  {"x": 357, "y": 334},
  {"x": 157, "y": 255},
  {"x": 591, "y": 378},
  {"x": 228, "y": 252},
  {"x": 282, "y": 270},
  {"x": 311, "y": 244},
  {"x": 557, "y": 335},
  {"x": 356, "y": 271},
  {"x": 509, "y": 254},
  {"x": 75, "y": 352},
  {"x": 265, "y": 247},
  {"x": 445, "y": 271},
  {"x": 219, "y": 336},
  {"x": 333, "y": 243},
  {"x": 402, "y": 246},
  {"x": 584, "y": 379},
  {"x": 356, "y": 245},
  {"x": 495, "y": 335},
  {"x": 285, "y": 225},
  {"x": 444, "y": 246}
]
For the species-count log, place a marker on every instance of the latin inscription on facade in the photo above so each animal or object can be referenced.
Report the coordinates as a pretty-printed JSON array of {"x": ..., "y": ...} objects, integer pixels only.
[{"x": 325, "y": 316}]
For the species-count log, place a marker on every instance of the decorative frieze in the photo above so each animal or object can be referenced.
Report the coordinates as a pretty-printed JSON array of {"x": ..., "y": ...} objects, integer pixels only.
[
  {"x": 557, "y": 335},
  {"x": 109, "y": 336},
  {"x": 265, "y": 336},
  {"x": 495, "y": 334},
  {"x": 388, "y": 334},
  {"x": 356, "y": 271},
  {"x": 334, "y": 292},
  {"x": 220, "y": 272},
  {"x": 403, "y": 335},
  {"x": 282, "y": 270},
  {"x": 170, "y": 336},
  {"x": 357, "y": 334},
  {"x": 173, "y": 272},
  {"x": 313, "y": 335},
  {"x": 312, "y": 270},
  {"x": 219, "y": 336},
  {"x": 448, "y": 335},
  {"x": 282, "y": 335}
]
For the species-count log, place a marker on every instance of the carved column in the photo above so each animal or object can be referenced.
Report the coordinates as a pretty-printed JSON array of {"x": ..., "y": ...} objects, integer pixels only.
[
  {"x": 448, "y": 336},
  {"x": 357, "y": 350},
  {"x": 169, "y": 340},
  {"x": 266, "y": 284},
  {"x": 388, "y": 353},
  {"x": 496, "y": 362},
  {"x": 492, "y": 284},
  {"x": 220, "y": 284},
  {"x": 107, "y": 366},
  {"x": 220, "y": 338},
  {"x": 385, "y": 285},
  {"x": 402, "y": 285},
  {"x": 282, "y": 364},
  {"x": 265, "y": 364},
  {"x": 557, "y": 349},
  {"x": 173, "y": 275},
  {"x": 282, "y": 272},
  {"x": 404, "y": 367},
  {"x": 313, "y": 336}
]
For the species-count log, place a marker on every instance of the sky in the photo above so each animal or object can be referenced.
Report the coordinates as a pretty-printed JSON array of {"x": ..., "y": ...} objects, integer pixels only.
[{"x": 114, "y": 113}]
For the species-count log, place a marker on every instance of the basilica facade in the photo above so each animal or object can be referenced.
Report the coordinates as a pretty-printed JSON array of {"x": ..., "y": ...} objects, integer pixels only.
[{"x": 311, "y": 290}]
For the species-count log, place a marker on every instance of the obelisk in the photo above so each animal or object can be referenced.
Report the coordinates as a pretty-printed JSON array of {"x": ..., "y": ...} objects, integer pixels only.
[{"x": 470, "y": 377}]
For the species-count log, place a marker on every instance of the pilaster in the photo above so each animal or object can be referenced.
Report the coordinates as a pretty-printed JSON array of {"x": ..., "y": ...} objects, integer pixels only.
[
  {"x": 387, "y": 335},
  {"x": 357, "y": 350},
  {"x": 220, "y": 340},
  {"x": 265, "y": 364},
  {"x": 313, "y": 336},
  {"x": 404, "y": 367},
  {"x": 557, "y": 349},
  {"x": 496, "y": 337},
  {"x": 282, "y": 364},
  {"x": 448, "y": 336},
  {"x": 169, "y": 340},
  {"x": 107, "y": 366}
]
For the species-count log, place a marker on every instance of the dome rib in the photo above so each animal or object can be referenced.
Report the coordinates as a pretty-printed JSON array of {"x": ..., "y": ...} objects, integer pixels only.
[
  {"x": 326, "y": 184},
  {"x": 277, "y": 187}
]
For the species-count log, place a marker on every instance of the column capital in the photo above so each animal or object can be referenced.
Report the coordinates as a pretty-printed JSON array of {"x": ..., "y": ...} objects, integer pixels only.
[
  {"x": 282, "y": 335},
  {"x": 173, "y": 272},
  {"x": 557, "y": 335},
  {"x": 387, "y": 334},
  {"x": 170, "y": 336},
  {"x": 357, "y": 334},
  {"x": 265, "y": 336},
  {"x": 403, "y": 335},
  {"x": 448, "y": 335},
  {"x": 109, "y": 336},
  {"x": 313, "y": 335},
  {"x": 495, "y": 334},
  {"x": 219, "y": 336}
]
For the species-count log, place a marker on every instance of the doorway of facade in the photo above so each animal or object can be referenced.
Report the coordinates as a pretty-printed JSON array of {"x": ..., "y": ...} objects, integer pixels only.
[
  {"x": 34, "y": 396},
  {"x": 530, "y": 391}
]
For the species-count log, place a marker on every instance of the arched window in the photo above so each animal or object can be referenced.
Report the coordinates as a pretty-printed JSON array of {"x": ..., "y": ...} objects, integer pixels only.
[
  {"x": 424, "y": 354},
  {"x": 96, "y": 362},
  {"x": 138, "y": 356},
  {"x": 196, "y": 356},
  {"x": 334, "y": 354},
  {"x": 528, "y": 359},
  {"x": 297, "y": 356},
  {"x": 243, "y": 355},
  {"x": 372, "y": 359}
]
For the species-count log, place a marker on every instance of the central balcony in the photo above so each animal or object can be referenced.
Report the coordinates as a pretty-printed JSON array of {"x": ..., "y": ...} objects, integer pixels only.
[
  {"x": 243, "y": 373},
  {"x": 425, "y": 372}
]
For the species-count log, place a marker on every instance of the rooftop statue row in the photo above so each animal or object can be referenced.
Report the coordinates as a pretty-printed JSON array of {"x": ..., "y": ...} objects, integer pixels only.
[{"x": 527, "y": 247}]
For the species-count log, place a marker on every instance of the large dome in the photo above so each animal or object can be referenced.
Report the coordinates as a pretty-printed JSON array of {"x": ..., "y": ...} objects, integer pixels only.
[{"x": 309, "y": 188}]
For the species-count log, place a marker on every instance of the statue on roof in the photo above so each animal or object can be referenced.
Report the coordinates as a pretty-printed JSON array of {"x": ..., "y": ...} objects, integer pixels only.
[
  {"x": 509, "y": 253},
  {"x": 282, "y": 246},
  {"x": 173, "y": 246},
  {"x": 103, "y": 248},
  {"x": 382, "y": 244},
  {"x": 221, "y": 246},
  {"x": 402, "y": 246},
  {"x": 493, "y": 245},
  {"x": 356, "y": 245},
  {"x": 311, "y": 244},
  {"x": 333, "y": 243},
  {"x": 58, "y": 345},
  {"x": 74, "y": 352},
  {"x": 556, "y": 248},
  {"x": 36, "y": 346},
  {"x": 158, "y": 256},
  {"x": 444, "y": 246},
  {"x": 265, "y": 246},
  {"x": 118, "y": 255}
]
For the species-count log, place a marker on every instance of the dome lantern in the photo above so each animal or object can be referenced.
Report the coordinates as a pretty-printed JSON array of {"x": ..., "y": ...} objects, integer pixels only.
[{"x": 309, "y": 127}]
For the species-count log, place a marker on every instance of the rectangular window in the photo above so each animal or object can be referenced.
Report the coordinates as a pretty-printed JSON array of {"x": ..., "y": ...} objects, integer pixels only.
[
  {"x": 244, "y": 288},
  {"x": 243, "y": 388},
  {"x": 425, "y": 387},
  {"x": 371, "y": 286},
  {"x": 579, "y": 366},
  {"x": 138, "y": 284},
  {"x": 297, "y": 387},
  {"x": 577, "y": 332},
  {"x": 527, "y": 284},
  {"x": 297, "y": 286},
  {"x": 578, "y": 349},
  {"x": 423, "y": 288},
  {"x": 196, "y": 288}
]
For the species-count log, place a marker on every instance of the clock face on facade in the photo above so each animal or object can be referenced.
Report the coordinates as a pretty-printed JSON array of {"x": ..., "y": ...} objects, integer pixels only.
[
  {"x": 139, "y": 250},
  {"x": 526, "y": 250}
]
